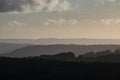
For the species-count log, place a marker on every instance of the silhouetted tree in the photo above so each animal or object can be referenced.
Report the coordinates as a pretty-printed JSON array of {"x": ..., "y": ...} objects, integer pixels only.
[{"x": 117, "y": 51}]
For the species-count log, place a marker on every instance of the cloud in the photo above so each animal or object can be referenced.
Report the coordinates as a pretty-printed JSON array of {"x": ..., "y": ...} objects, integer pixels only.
[
  {"x": 16, "y": 23},
  {"x": 61, "y": 21},
  {"x": 109, "y": 21},
  {"x": 106, "y": 21},
  {"x": 26, "y": 6},
  {"x": 110, "y": 2},
  {"x": 87, "y": 4}
]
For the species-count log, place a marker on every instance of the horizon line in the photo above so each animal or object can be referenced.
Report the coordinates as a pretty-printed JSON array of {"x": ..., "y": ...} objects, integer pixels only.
[{"x": 64, "y": 38}]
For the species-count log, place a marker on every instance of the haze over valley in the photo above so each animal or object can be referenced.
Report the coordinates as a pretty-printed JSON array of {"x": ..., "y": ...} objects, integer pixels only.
[{"x": 51, "y": 46}]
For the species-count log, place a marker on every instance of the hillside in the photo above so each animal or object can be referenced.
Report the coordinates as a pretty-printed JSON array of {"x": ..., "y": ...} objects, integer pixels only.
[
  {"x": 60, "y": 67},
  {"x": 8, "y": 47},
  {"x": 54, "y": 49}
]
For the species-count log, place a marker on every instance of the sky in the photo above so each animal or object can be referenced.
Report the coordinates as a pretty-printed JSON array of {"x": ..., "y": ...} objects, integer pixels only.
[{"x": 60, "y": 19}]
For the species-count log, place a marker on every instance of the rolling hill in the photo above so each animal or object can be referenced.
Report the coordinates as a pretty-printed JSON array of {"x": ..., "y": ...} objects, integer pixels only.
[{"x": 38, "y": 50}]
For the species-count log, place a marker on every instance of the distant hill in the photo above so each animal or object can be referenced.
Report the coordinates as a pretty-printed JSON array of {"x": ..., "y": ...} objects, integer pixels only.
[
  {"x": 50, "y": 41},
  {"x": 54, "y": 49},
  {"x": 105, "y": 56},
  {"x": 17, "y": 41},
  {"x": 81, "y": 41},
  {"x": 53, "y": 46},
  {"x": 8, "y": 47}
]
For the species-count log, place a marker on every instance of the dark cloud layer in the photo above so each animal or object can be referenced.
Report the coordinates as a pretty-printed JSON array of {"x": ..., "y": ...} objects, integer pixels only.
[
  {"x": 33, "y": 5},
  {"x": 15, "y": 5}
]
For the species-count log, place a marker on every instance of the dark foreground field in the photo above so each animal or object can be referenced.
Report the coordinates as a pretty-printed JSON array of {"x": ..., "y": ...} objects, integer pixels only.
[{"x": 39, "y": 69}]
